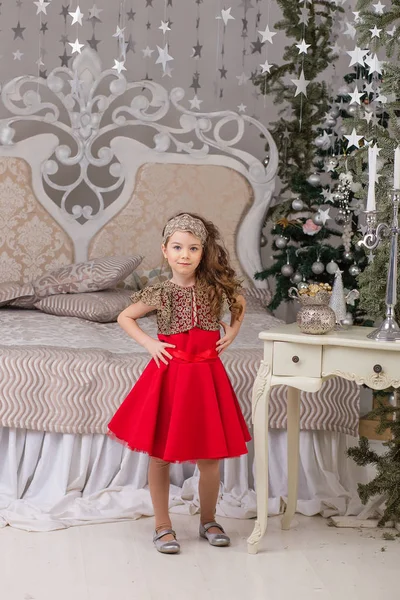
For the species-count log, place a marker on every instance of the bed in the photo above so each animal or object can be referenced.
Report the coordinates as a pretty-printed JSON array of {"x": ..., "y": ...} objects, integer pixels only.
[{"x": 91, "y": 166}]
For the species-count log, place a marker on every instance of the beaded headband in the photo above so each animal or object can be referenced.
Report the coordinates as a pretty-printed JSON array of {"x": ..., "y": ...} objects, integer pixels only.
[{"x": 185, "y": 223}]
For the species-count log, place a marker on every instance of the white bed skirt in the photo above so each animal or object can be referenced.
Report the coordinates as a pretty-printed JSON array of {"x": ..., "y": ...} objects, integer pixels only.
[{"x": 53, "y": 481}]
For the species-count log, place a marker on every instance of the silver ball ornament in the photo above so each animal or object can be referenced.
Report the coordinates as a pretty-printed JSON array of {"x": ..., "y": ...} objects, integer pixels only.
[
  {"x": 332, "y": 267},
  {"x": 354, "y": 270},
  {"x": 281, "y": 242},
  {"x": 287, "y": 270},
  {"x": 348, "y": 256},
  {"x": 317, "y": 267},
  {"x": 297, "y": 204},
  {"x": 265, "y": 161},
  {"x": 330, "y": 122},
  {"x": 317, "y": 219},
  {"x": 314, "y": 179},
  {"x": 351, "y": 110},
  {"x": 297, "y": 277},
  {"x": 263, "y": 241},
  {"x": 347, "y": 322},
  {"x": 319, "y": 141},
  {"x": 303, "y": 285},
  {"x": 334, "y": 112}
]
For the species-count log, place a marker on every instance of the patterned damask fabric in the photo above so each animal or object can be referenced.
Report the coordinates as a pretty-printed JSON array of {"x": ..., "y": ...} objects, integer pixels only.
[
  {"x": 179, "y": 308},
  {"x": 31, "y": 242},
  {"x": 217, "y": 193}
]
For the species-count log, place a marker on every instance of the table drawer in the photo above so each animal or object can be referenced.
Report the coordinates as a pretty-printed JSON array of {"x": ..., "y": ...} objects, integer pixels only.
[
  {"x": 301, "y": 360},
  {"x": 375, "y": 368}
]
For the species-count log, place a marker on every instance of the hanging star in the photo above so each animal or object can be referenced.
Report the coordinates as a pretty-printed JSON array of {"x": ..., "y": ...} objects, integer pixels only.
[
  {"x": 375, "y": 65},
  {"x": 244, "y": 24},
  {"x": 303, "y": 47},
  {"x": 130, "y": 44},
  {"x": 223, "y": 72},
  {"x": 353, "y": 139},
  {"x": 336, "y": 49},
  {"x": 119, "y": 32},
  {"x": 350, "y": 31},
  {"x": 164, "y": 27},
  {"x": 356, "y": 16},
  {"x": 197, "y": 50},
  {"x": 119, "y": 65},
  {"x": 392, "y": 31},
  {"x": 18, "y": 32},
  {"x": 195, "y": 102},
  {"x": 226, "y": 16},
  {"x": 94, "y": 12},
  {"x": 43, "y": 27},
  {"x": 195, "y": 83},
  {"x": 163, "y": 56},
  {"x": 41, "y": 6},
  {"x": 267, "y": 35},
  {"x": 325, "y": 216},
  {"x": 304, "y": 16},
  {"x": 148, "y": 25},
  {"x": 76, "y": 16},
  {"x": 64, "y": 58},
  {"x": 266, "y": 67},
  {"x": 257, "y": 46},
  {"x": 221, "y": 93},
  {"x": 43, "y": 73},
  {"x": 355, "y": 96},
  {"x": 169, "y": 3},
  {"x": 93, "y": 43},
  {"x": 75, "y": 84},
  {"x": 301, "y": 84},
  {"x": 64, "y": 11},
  {"x": 131, "y": 15},
  {"x": 379, "y": 8},
  {"x": 18, "y": 55},
  {"x": 246, "y": 4},
  {"x": 357, "y": 56},
  {"x": 149, "y": 3},
  {"x": 76, "y": 46},
  {"x": 242, "y": 79},
  {"x": 242, "y": 107},
  {"x": 375, "y": 32},
  {"x": 147, "y": 52},
  {"x": 39, "y": 62},
  {"x": 369, "y": 88},
  {"x": 64, "y": 39}
]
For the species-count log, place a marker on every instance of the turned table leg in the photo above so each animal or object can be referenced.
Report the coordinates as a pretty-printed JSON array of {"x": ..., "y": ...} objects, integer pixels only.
[
  {"x": 293, "y": 440},
  {"x": 260, "y": 403}
]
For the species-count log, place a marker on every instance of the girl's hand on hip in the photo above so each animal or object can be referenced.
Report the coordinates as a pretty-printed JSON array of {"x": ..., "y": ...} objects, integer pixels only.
[
  {"x": 227, "y": 339},
  {"x": 158, "y": 351}
]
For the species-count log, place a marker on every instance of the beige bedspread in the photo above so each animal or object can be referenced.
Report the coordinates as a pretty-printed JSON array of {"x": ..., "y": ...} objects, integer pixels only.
[{"x": 68, "y": 375}]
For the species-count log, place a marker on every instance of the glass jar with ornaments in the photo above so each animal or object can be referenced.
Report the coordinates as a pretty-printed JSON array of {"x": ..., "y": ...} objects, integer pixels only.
[{"x": 315, "y": 317}]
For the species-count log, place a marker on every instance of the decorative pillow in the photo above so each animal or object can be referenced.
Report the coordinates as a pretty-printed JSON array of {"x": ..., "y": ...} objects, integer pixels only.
[
  {"x": 257, "y": 299},
  {"x": 102, "y": 307},
  {"x": 10, "y": 291},
  {"x": 141, "y": 278},
  {"x": 92, "y": 276}
]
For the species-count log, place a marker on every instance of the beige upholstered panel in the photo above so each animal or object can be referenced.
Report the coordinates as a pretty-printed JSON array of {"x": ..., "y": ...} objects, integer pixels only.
[
  {"x": 215, "y": 192},
  {"x": 31, "y": 242}
]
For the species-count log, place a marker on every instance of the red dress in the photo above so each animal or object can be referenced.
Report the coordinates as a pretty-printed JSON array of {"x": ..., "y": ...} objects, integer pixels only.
[{"x": 186, "y": 410}]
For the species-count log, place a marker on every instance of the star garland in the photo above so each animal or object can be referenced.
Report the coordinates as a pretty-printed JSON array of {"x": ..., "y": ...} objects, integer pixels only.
[
  {"x": 94, "y": 18},
  {"x": 195, "y": 102},
  {"x": 76, "y": 16},
  {"x": 119, "y": 35},
  {"x": 163, "y": 52},
  {"x": 64, "y": 57}
]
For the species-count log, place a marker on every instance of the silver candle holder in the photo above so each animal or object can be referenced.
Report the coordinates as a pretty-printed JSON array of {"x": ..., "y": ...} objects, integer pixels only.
[{"x": 388, "y": 331}]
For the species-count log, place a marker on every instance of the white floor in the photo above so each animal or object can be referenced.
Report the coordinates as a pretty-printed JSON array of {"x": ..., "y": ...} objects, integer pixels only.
[{"x": 118, "y": 562}]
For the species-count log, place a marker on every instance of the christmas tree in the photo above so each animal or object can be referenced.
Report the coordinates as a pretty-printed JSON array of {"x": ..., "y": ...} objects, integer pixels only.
[
  {"x": 308, "y": 146},
  {"x": 375, "y": 122},
  {"x": 387, "y": 481}
]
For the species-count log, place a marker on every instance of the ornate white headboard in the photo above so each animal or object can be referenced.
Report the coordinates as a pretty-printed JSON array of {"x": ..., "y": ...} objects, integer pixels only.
[{"x": 94, "y": 142}]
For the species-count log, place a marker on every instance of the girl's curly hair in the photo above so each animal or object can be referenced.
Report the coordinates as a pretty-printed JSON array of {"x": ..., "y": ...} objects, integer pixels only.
[{"x": 216, "y": 272}]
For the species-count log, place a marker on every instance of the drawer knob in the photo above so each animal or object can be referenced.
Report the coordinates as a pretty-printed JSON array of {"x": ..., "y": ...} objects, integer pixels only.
[
  {"x": 378, "y": 368},
  {"x": 295, "y": 359}
]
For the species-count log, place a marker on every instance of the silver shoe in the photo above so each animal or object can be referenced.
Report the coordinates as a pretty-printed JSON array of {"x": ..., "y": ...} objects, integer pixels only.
[
  {"x": 215, "y": 539},
  {"x": 170, "y": 547}
]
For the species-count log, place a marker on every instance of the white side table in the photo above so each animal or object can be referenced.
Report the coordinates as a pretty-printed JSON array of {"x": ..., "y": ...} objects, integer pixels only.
[{"x": 303, "y": 362}]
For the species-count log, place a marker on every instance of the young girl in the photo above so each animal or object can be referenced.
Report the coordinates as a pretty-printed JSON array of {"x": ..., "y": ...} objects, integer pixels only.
[{"x": 183, "y": 407}]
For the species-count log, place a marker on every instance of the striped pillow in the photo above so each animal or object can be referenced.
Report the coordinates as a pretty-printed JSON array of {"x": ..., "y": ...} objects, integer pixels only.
[
  {"x": 11, "y": 290},
  {"x": 102, "y": 307},
  {"x": 92, "y": 276}
]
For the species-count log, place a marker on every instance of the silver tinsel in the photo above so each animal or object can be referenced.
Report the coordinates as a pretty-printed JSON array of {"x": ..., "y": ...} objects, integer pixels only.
[{"x": 338, "y": 300}]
